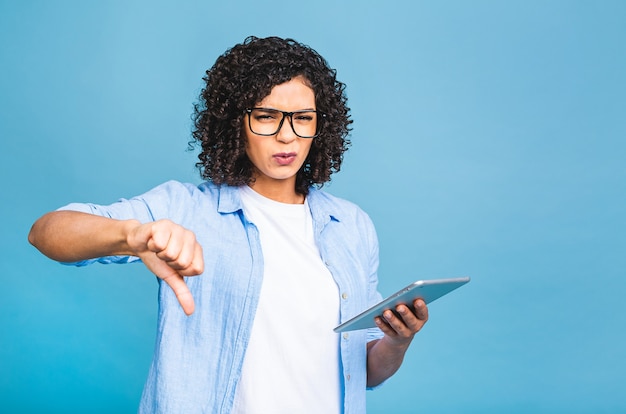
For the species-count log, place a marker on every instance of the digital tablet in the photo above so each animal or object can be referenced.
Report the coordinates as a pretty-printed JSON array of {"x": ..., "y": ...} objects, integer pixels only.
[{"x": 429, "y": 290}]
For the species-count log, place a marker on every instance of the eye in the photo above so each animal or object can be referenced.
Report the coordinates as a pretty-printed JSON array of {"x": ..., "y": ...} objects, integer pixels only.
[
  {"x": 304, "y": 117},
  {"x": 265, "y": 115}
]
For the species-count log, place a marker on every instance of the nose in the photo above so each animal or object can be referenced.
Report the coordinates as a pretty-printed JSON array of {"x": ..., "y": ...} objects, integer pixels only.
[{"x": 286, "y": 133}]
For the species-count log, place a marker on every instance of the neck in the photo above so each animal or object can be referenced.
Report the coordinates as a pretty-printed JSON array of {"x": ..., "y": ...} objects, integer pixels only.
[{"x": 283, "y": 191}]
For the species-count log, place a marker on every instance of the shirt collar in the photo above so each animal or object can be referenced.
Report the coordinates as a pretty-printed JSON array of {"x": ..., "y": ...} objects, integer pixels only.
[
  {"x": 323, "y": 209},
  {"x": 229, "y": 200}
]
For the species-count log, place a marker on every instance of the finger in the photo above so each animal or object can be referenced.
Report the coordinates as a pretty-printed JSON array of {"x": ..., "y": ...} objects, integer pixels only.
[
  {"x": 172, "y": 278},
  {"x": 179, "y": 249},
  {"x": 421, "y": 310},
  {"x": 167, "y": 241},
  {"x": 197, "y": 264},
  {"x": 156, "y": 235},
  {"x": 385, "y": 327},
  {"x": 179, "y": 252},
  {"x": 408, "y": 317},
  {"x": 182, "y": 292},
  {"x": 396, "y": 323},
  {"x": 190, "y": 262}
]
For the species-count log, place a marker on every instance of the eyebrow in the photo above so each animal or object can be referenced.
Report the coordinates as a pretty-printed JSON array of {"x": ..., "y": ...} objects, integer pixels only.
[{"x": 276, "y": 109}]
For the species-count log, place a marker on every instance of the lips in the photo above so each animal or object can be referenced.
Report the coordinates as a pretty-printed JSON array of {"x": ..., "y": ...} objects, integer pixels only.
[{"x": 284, "y": 158}]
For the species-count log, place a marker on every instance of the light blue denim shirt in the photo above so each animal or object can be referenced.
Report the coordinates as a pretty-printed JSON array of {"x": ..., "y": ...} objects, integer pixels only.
[{"x": 198, "y": 359}]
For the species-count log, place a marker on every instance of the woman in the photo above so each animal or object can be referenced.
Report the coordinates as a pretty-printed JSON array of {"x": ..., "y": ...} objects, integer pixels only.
[{"x": 258, "y": 264}]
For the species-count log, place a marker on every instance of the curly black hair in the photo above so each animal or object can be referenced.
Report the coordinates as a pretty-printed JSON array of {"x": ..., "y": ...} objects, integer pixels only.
[{"x": 242, "y": 77}]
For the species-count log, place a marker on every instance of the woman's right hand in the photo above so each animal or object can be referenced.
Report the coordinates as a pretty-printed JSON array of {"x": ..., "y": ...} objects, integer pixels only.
[{"x": 170, "y": 251}]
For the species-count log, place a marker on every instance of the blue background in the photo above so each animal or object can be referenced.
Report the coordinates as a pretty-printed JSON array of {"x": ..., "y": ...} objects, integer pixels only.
[{"x": 488, "y": 141}]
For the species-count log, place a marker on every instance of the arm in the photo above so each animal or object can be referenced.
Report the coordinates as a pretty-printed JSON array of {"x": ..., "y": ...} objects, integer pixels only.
[
  {"x": 385, "y": 355},
  {"x": 70, "y": 236},
  {"x": 166, "y": 249}
]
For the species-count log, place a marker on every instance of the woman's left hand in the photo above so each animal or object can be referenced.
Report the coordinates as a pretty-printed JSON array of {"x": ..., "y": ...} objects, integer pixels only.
[
  {"x": 385, "y": 355},
  {"x": 401, "y": 326}
]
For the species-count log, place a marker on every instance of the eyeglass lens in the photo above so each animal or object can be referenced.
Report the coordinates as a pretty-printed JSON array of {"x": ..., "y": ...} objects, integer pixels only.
[{"x": 264, "y": 121}]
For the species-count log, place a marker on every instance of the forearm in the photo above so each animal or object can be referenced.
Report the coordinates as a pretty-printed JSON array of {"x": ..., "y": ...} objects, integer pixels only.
[
  {"x": 69, "y": 236},
  {"x": 383, "y": 360}
]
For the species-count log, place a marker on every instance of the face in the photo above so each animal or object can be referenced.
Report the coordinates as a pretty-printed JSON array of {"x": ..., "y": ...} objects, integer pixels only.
[{"x": 278, "y": 158}]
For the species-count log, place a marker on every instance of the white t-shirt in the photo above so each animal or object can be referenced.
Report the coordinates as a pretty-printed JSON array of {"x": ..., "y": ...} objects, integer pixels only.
[{"x": 292, "y": 361}]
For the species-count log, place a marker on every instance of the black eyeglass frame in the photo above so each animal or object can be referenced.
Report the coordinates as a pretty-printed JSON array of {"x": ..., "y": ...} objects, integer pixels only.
[{"x": 321, "y": 115}]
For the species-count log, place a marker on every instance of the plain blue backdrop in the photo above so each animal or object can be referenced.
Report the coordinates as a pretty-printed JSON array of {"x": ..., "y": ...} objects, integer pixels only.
[{"x": 489, "y": 141}]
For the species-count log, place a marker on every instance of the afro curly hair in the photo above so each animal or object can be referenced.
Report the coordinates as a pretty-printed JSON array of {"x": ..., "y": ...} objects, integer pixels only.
[{"x": 242, "y": 77}]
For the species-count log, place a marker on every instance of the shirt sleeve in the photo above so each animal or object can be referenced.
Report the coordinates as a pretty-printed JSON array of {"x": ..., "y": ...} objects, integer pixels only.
[{"x": 150, "y": 206}]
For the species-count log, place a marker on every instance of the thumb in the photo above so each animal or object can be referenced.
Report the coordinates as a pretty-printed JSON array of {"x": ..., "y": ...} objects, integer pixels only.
[
  {"x": 174, "y": 280},
  {"x": 181, "y": 290}
]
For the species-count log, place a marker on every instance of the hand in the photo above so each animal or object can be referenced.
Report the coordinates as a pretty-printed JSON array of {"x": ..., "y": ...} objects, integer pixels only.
[
  {"x": 170, "y": 252},
  {"x": 385, "y": 355},
  {"x": 401, "y": 330}
]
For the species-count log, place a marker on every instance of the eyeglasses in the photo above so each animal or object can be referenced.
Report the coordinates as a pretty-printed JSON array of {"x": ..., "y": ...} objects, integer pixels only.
[{"x": 267, "y": 121}]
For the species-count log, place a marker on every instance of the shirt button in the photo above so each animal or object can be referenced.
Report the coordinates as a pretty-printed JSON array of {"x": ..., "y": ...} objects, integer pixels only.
[
  {"x": 346, "y": 336},
  {"x": 348, "y": 377},
  {"x": 344, "y": 295}
]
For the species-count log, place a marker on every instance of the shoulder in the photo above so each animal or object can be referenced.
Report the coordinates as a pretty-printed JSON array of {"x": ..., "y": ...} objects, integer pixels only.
[
  {"x": 174, "y": 199},
  {"x": 340, "y": 209},
  {"x": 346, "y": 223},
  {"x": 179, "y": 191},
  {"x": 330, "y": 199}
]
